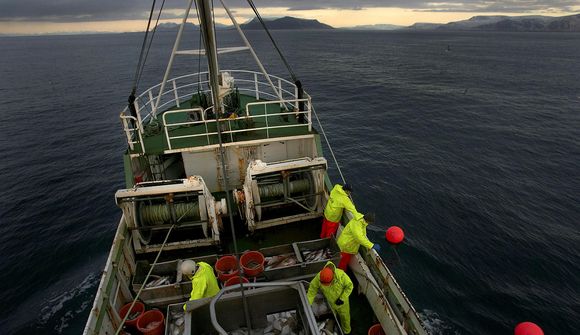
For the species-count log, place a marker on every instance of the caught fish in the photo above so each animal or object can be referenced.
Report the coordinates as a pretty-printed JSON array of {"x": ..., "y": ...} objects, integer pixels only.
[
  {"x": 153, "y": 325},
  {"x": 133, "y": 316},
  {"x": 317, "y": 255},
  {"x": 280, "y": 261},
  {"x": 253, "y": 265},
  {"x": 158, "y": 282}
]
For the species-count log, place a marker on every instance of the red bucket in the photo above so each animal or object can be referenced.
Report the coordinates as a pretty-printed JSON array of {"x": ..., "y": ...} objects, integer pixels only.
[
  {"x": 226, "y": 267},
  {"x": 137, "y": 308},
  {"x": 236, "y": 280},
  {"x": 376, "y": 330},
  {"x": 253, "y": 263},
  {"x": 151, "y": 323}
]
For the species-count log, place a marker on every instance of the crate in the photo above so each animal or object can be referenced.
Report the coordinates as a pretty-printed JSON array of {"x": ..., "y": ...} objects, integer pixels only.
[
  {"x": 314, "y": 267},
  {"x": 262, "y": 302},
  {"x": 282, "y": 272},
  {"x": 302, "y": 269}
]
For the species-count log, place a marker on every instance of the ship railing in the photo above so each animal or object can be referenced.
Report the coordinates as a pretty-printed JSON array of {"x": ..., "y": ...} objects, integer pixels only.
[
  {"x": 131, "y": 126},
  {"x": 180, "y": 89},
  {"x": 229, "y": 130}
]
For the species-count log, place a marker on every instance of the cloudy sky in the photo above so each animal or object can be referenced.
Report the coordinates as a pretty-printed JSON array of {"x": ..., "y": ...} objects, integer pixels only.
[{"x": 43, "y": 16}]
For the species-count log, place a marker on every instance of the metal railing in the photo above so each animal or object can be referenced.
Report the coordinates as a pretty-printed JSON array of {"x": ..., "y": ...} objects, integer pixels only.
[
  {"x": 228, "y": 121},
  {"x": 182, "y": 88}
]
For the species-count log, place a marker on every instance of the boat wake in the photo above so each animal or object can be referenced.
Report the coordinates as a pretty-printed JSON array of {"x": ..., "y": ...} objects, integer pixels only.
[
  {"x": 435, "y": 325},
  {"x": 58, "y": 311}
]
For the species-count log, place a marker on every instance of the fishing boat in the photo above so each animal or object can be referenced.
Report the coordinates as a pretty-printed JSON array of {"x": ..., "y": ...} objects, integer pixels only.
[{"x": 227, "y": 167}]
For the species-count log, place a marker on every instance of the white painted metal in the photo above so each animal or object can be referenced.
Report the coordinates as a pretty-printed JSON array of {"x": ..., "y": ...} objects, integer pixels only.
[
  {"x": 230, "y": 131},
  {"x": 243, "y": 36},
  {"x": 252, "y": 195},
  {"x": 172, "y": 57},
  {"x": 166, "y": 127},
  {"x": 189, "y": 80},
  {"x": 125, "y": 200},
  {"x": 130, "y": 132},
  {"x": 175, "y": 92},
  {"x": 201, "y": 52}
]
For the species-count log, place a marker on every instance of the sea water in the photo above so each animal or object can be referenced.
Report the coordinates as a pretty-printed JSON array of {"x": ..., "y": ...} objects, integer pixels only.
[{"x": 468, "y": 141}]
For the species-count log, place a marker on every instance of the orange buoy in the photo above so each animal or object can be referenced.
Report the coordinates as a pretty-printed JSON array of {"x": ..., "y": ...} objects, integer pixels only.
[
  {"x": 395, "y": 235},
  {"x": 528, "y": 328}
]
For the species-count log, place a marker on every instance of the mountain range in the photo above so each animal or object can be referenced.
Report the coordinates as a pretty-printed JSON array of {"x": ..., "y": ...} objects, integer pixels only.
[
  {"x": 535, "y": 23},
  {"x": 286, "y": 22}
]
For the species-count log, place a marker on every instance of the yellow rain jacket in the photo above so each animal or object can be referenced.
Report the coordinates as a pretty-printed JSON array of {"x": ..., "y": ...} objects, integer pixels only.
[
  {"x": 204, "y": 283},
  {"x": 341, "y": 287},
  {"x": 354, "y": 235},
  {"x": 338, "y": 201}
]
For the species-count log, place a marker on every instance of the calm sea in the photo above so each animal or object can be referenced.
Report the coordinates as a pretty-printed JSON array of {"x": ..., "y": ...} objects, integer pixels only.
[{"x": 469, "y": 141}]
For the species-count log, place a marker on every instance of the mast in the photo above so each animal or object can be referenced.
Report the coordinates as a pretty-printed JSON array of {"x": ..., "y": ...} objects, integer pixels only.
[{"x": 208, "y": 33}]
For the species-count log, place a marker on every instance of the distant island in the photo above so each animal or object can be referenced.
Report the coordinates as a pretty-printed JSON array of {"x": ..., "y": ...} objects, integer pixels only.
[
  {"x": 535, "y": 23},
  {"x": 492, "y": 23},
  {"x": 283, "y": 23},
  {"x": 375, "y": 27},
  {"x": 286, "y": 22}
]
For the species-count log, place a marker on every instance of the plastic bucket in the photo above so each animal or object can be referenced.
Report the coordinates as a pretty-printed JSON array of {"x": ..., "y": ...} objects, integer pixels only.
[
  {"x": 236, "y": 280},
  {"x": 253, "y": 263},
  {"x": 137, "y": 308},
  {"x": 151, "y": 323},
  {"x": 226, "y": 267},
  {"x": 376, "y": 330}
]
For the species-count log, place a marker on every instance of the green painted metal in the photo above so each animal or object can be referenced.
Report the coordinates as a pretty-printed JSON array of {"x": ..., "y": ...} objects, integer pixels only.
[{"x": 155, "y": 141}]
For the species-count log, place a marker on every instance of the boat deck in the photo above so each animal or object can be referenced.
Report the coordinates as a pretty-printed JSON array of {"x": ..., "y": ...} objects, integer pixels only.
[
  {"x": 362, "y": 315},
  {"x": 183, "y": 126}
]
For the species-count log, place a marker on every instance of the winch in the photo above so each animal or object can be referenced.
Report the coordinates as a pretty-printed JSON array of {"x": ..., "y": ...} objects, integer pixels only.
[
  {"x": 282, "y": 192},
  {"x": 150, "y": 209}
]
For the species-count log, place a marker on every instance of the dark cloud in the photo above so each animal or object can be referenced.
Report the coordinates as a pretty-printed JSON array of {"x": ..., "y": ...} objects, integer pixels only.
[{"x": 99, "y": 10}]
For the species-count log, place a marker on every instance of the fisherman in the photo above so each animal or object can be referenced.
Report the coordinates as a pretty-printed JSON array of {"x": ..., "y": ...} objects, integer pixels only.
[
  {"x": 353, "y": 236},
  {"x": 336, "y": 287},
  {"x": 203, "y": 281},
  {"x": 339, "y": 200}
]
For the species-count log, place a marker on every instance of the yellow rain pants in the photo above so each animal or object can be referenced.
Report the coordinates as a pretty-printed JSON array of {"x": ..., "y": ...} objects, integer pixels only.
[{"x": 340, "y": 288}]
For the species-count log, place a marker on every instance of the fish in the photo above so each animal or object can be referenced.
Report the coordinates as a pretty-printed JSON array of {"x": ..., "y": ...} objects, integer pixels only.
[
  {"x": 280, "y": 261},
  {"x": 317, "y": 255},
  {"x": 153, "y": 325},
  {"x": 133, "y": 316},
  {"x": 165, "y": 280}
]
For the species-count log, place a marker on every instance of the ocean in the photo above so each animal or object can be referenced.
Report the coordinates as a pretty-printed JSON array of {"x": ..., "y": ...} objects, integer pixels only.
[{"x": 469, "y": 141}]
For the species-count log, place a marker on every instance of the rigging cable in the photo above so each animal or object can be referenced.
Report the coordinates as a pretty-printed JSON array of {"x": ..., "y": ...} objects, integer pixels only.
[
  {"x": 228, "y": 197},
  {"x": 329, "y": 146},
  {"x": 140, "y": 64},
  {"x": 145, "y": 281},
  {"x": 251, "y": 3},
  {"x": 199, "y": 87},
  {"x": 150, "y": 42},
  {"x": 150, "y": 271},
  {"x": 217, "y": 111},
  {"x": 139, "y": 67}
]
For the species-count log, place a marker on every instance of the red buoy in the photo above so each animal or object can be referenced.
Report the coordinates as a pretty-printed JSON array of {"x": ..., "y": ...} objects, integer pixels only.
[
  {"x": 528, "y": 328},
  {"x": 395, "y": 235}
]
